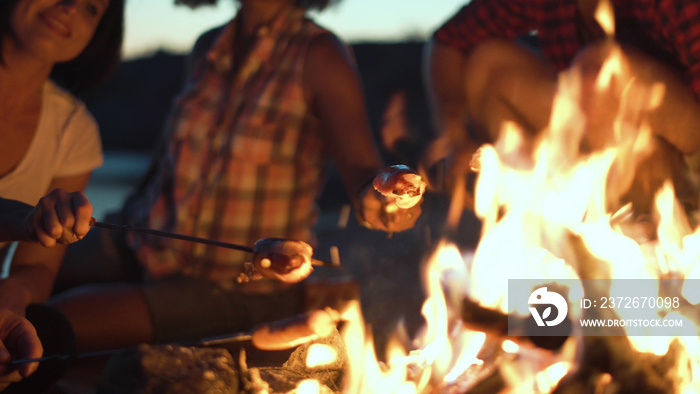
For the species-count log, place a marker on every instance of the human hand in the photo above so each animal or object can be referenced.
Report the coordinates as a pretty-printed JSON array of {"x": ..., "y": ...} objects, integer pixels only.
[
  {"x": 446, "y": 164},
  {"x": 18, "y": 340},
  {"x": 380, "y": 212},
  {"x": 59, "y": 217},
  {"x": 463, "y": 164},
  {"x": 401, "y": 185}
]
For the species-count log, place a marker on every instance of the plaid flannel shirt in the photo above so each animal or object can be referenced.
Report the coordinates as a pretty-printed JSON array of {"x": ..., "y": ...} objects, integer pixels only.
[
  {"x": 668, "y": 30},
  {"x": 244, "y": 159}
]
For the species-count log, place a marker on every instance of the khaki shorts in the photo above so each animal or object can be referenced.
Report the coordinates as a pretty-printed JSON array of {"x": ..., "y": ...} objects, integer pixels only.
[
  {"x": 192, "y": 308},
  {"x": 181, "y": 308}
]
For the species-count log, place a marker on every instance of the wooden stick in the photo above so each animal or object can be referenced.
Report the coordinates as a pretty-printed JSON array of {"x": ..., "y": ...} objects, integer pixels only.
[
  {"x": 189, "y": 238},
  {"x": 211, "y": 341}
]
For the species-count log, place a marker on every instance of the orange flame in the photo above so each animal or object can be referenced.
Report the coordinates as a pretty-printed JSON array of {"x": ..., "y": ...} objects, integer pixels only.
[{"x": 534, "y": 197}]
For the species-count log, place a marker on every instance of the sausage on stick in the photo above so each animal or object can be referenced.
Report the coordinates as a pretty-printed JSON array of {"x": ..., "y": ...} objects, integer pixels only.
[{"x": 298, "y": 330}]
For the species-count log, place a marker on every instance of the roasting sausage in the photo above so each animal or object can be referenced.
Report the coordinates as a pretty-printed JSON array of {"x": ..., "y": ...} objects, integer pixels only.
[
  {"x": 283, "y": 259},
  {"x": 401, "y": 183},
  {"x": 289, "y": 333}
]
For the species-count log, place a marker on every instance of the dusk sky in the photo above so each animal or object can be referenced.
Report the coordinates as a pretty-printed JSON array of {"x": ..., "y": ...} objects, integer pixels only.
[{"x": 154, "y": 24}]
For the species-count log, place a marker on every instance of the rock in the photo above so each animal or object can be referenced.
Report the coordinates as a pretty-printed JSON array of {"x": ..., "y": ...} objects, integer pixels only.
[{"x": 170, "y": 369}]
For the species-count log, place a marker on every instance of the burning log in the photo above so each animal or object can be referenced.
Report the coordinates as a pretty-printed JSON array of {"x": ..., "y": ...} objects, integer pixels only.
[
  {"x": 603, "y": 363},
  {"x": 327, "y": 377},
  {"x": 330, "y": 373},
  {"x": 495, "y": 324},
  {"x": 610, "y": 363}
]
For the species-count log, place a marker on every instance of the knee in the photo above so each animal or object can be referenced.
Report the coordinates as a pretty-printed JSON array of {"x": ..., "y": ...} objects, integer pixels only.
[
  {"x": 629, "y": 61},
  {"x": 615, "y": 83},
  {"x": 591, "y": 58},
  {"x": 487, "y": 61},
  {"x": 609, "y": 66},
  {"x": 496, "y": 65}
]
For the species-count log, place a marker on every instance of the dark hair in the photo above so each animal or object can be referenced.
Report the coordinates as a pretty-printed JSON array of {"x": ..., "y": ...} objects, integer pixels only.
[
  {"x": 96, "y": 61},
  {"x": 310, "y": 4},
  {"x": 6, "y": 8}
]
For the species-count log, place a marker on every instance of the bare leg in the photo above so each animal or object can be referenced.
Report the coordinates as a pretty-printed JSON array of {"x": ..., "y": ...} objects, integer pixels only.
[
  {"x": 506, "y": 82},
  {"x": 106, "y": 317},
  {"x": 644, "y": 93},
  {"x": 676, "y": 118}
]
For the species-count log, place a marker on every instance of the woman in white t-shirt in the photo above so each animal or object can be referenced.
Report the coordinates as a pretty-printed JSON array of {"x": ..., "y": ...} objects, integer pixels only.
[{"x": 48, "y": 140}]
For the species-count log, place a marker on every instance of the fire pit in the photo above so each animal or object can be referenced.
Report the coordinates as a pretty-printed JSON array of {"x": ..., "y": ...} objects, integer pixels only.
[{"x": 172, "y": 369}]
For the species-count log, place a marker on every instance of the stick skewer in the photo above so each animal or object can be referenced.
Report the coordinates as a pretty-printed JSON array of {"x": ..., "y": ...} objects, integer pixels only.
[
  {"x": 277, "y": 335},
  {"x": 213, "y": 341},
  {"x": 190, "y": 238}
]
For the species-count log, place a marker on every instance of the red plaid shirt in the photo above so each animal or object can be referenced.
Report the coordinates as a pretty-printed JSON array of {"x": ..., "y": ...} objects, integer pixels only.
[
  {"x": 668, "y": 30},
  {"x": 244, "y": 160}
]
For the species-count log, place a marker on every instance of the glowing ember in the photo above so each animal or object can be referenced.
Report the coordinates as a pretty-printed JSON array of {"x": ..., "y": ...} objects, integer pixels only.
[
  {"x": 308, "y": 386},
  {"x": 320, "y": 355}
]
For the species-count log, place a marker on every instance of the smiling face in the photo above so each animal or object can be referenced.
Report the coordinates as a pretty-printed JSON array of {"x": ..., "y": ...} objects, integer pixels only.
[{"x": 56, "y": 30}]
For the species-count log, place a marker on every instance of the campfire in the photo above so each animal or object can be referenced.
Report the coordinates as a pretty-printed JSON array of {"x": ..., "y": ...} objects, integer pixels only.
[
  {"x": 558, "y": 215},
  {"x": 562, "y": 219}
]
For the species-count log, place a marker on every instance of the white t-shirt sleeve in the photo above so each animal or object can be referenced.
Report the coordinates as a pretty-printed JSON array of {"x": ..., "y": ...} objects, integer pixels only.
[{"x": 81, "y": 147}]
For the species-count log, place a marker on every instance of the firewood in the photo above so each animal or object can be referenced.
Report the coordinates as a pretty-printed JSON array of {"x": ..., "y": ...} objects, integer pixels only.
[{"x": 494, "y": 323}]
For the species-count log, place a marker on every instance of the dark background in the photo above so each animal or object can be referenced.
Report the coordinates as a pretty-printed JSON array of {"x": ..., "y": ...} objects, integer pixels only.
[{"x": 132, "y": 104}]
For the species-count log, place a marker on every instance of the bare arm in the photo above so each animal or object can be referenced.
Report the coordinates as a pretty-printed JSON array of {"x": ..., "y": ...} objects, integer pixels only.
[
  {"x": 448, "y": 157},
  {"x": 334, "y": 89},
  {"x": 335, "y": 92},
  {"x": 445, "y": 69},
  {"x": 34, "y": 266}
]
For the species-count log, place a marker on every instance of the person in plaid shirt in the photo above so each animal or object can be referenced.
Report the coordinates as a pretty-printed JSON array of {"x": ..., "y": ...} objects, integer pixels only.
[
  {"x": 270, "y": 99},
  {"x": 479, "y": 75}
]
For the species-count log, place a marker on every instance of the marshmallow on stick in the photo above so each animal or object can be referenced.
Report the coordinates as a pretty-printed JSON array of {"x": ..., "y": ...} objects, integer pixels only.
[{"x": 400, "y": 183}]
